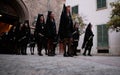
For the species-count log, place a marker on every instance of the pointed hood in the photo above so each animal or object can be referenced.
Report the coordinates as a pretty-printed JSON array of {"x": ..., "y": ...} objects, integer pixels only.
[{"x": 38, "y": 19}]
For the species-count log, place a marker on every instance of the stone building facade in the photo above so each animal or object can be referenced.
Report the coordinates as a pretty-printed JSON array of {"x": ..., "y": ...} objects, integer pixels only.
[
  {"x": 29, "y": 9},
  {"x": 36, "y": 7}
]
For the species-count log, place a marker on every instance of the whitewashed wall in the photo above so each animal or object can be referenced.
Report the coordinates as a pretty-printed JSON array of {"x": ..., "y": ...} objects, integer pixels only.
[{"x": 88, "y": 10}]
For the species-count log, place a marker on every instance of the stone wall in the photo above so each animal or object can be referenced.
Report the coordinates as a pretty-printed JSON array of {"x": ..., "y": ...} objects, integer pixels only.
[{"x": 36, "y": 7}]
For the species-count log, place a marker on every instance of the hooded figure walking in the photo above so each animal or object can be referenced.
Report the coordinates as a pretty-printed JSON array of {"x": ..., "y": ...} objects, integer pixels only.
[
  {"x": 88, "y": 40},
  {"x": 40, "y": 34},
  {"x": 24, "y": 37},
  {"x": 51, "y": 33},
  {"x": 66, "y": 30}
]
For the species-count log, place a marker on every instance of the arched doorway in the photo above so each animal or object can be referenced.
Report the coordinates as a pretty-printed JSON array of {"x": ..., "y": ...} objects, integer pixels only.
[
  {"x": 14, "y": 9},
  {"x": 10, "y": 12}
]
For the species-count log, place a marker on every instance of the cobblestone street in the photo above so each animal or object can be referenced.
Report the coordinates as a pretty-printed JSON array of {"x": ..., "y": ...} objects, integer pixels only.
[{"x": 59, "y": 65}]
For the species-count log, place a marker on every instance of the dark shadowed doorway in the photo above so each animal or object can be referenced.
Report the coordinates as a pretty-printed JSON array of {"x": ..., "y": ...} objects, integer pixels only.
[{"x": 11, "y": 11}]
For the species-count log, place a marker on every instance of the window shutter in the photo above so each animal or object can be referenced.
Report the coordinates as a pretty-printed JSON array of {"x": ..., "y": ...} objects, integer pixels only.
[
  {"x": 102, "y": 36},
  {"x": 101, "y": 4},
  {"x": 98, "y": 3},
  {"x": 75, "y": 10},
  {"x": 105, "y": 36},
  {"x": 99, "y": 35}
]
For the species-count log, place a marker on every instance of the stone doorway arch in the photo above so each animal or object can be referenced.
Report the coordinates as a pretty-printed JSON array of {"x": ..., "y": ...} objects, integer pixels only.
[
  {"x": 15, "y": 8},
  {"x": 11, "y": 11}
]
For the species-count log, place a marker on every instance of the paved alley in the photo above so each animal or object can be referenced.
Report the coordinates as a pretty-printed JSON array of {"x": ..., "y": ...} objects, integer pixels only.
[{"x": 59, "y": 65}]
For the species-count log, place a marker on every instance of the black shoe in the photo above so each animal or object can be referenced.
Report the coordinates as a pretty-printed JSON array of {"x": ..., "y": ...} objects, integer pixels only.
[
  {"x": 32, "y": 53},
  {"x": 24, "y": 54},
  {"x": 54, "y": 54},
  {"x": 65, "y": 55},
  {"x": 46, "y": 53},
  {"x": 70, "y": 55},
  {"x": 84, "y": 54},
  {"x": 40, "y": 54},
  {"x": 51, "y": 55},
  {"x": 89, "y": 55}
]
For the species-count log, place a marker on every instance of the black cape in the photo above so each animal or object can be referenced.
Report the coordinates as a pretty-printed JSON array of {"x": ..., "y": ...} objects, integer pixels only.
[{"x": 88, "y": 38}]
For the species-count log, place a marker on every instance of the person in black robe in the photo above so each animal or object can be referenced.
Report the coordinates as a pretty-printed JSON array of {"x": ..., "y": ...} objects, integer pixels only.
[
  {"x": 24, "y": 37},
  {"x": 88, "y": 40},
  {"x": 51, "y": 33},
  {"x": 17, "y": 37},
  {"x": 75, "y": 39},
  {"x": 11, "y": 37},
  {"x": 40, "y": 34},
  {"x": 66, "y": 30}
]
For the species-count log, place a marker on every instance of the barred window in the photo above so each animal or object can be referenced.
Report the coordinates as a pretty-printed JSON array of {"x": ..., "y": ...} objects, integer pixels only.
[
  {"x": 101, "y": 4},
  {"x": 75, "y": 10}
]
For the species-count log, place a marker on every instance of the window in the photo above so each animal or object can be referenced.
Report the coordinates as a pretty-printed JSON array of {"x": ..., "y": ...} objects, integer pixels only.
[
  {"x": 75, "y": 10},
  {"x": 101, "y": 4},
  {"x": 102, "y": 37}
]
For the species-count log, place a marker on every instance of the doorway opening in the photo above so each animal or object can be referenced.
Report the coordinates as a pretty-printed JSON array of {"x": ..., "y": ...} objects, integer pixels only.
[{"x": 10, "y": 12}]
